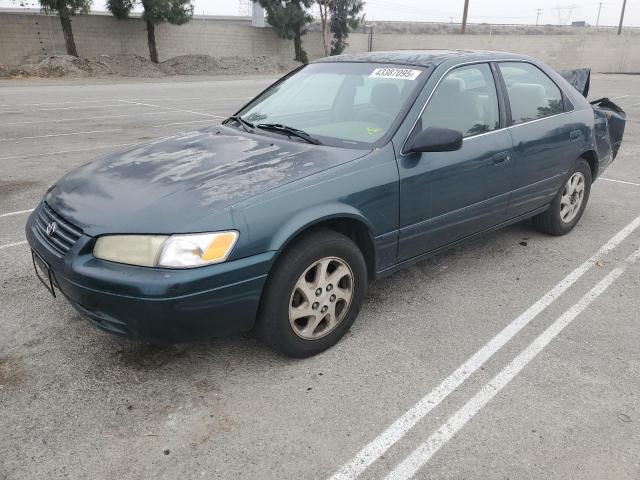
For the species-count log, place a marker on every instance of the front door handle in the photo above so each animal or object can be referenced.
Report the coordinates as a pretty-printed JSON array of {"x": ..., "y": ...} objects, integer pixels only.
[{"x": 501, "y": 158}]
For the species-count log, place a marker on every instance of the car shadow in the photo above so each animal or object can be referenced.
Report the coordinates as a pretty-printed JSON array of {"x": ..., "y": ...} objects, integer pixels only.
[{"x": 231, "y": 352}]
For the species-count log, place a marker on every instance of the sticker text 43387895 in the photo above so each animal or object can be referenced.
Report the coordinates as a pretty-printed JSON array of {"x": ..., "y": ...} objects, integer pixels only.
[{"x": 397, "y": 73}]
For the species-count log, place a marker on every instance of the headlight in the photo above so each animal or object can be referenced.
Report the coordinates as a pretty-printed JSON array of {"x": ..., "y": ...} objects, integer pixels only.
[
  {"x": 183, "y": 251},
  {"x": 143, "y": 250},
  {"x": 176, "y": 251}
]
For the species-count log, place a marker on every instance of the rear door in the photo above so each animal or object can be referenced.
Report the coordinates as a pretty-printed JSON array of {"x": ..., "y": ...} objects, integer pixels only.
[
  {"x": 546, "y": 142},
  {"x": 445, "y": 196}
]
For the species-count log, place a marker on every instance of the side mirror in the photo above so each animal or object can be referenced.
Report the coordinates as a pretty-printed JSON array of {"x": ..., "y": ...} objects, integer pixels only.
[{"x": 434, "y": 139}]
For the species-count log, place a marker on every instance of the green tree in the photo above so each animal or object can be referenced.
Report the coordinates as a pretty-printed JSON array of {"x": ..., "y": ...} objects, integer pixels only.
[
  {"x": 289, "y": 19},
  {"x": 66, "y": 9},
  {"x": 345, "y": 17},
  {"x": 175, "y": 12},
  {"x": 325, "y": 6}
]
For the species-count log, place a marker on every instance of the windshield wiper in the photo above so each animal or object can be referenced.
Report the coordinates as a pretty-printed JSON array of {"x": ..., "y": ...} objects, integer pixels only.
[
  {"x": 286, "y": 130},
  {"x": 248, "y": 126}
]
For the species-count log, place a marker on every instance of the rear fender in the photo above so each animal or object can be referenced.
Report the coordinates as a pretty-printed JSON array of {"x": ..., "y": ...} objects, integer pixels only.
[{"x": 610, "y": 121}]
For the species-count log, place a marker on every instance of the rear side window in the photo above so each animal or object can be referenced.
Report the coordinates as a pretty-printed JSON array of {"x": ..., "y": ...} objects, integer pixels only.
[
  {"x": 465, "y": 100},
  {"x": 532, "y": 94}
]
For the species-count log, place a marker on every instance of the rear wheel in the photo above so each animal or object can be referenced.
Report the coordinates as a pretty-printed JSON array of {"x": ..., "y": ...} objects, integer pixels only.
[
  {"x": 569, "y": 204},
  {"x": 313, "y": 294}
]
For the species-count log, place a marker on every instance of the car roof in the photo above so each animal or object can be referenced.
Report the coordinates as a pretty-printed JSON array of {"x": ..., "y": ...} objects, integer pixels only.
[{"x": 420, "y": 58}]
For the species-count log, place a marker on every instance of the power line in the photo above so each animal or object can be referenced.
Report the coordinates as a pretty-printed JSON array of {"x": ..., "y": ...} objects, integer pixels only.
[
  {"x": 565, "y": 12},
  {"x": 564, "y": 18}
]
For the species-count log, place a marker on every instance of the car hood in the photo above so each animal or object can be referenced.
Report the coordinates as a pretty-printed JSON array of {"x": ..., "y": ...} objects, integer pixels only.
[{"x": 172, "y": 184}]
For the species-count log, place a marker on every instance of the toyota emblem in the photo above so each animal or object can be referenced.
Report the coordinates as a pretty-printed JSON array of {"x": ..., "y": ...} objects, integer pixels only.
[{"x": 51, "y": 229}]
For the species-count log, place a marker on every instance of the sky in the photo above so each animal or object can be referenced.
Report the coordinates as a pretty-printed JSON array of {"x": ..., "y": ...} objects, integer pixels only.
[{"x": 480, "y": 11}]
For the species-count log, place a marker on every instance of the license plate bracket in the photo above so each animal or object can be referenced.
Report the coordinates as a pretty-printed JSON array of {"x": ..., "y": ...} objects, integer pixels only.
[{"x": 43, "y": 272}]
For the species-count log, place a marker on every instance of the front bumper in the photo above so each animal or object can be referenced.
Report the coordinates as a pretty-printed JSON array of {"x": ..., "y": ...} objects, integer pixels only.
[{"x": 154, "y": 304}]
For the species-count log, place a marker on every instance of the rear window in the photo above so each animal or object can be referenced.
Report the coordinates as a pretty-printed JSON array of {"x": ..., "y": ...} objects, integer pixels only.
[{"x": 532, "y": 94}]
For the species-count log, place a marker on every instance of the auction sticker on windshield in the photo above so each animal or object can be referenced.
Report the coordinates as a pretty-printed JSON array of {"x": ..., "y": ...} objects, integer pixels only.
[{"x": 400, "y": 73}]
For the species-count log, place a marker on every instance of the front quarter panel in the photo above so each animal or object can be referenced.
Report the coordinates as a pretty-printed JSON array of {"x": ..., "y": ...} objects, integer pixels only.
[{"x": 365, "y": 189}]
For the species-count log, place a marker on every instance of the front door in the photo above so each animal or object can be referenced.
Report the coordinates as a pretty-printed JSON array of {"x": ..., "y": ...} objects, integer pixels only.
[{"x": 446, "y": 196}]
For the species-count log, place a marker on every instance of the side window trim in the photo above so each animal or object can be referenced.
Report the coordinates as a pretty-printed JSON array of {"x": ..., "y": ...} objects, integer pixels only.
[
  {"x": 418, "y": 121},
  {"x": 505, "y": 97},
  {"x": 510, "y": 122},
  {"x": 503, "y": 100}
]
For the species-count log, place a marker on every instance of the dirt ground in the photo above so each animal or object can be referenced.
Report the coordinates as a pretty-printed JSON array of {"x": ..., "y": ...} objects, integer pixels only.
[{"x": 67, "y": 66}]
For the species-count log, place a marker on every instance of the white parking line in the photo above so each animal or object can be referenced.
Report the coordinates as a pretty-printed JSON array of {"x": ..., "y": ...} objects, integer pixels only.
[
  {"x": 19, "y": 212},
  {"x": 632, "y": 105},
  {"x": 73, "y": 102},
  {"x": 61, "y": 134},
  {"x": 109, "y": 130},
  {"x": 84, "y": 119},
  {"x": 172, "y": 109},
  {"x": 61, "y": 152},
  {"x": 394, "y": 432},
  {"x": 419, "y": 457},
  {"x": 181, "y": 123},
  {"x": 2, "y": 247},
  {"x": 620, "y": 181},
  {"x": 115, "y": 105},
  {"x": 618, "y": 97}
]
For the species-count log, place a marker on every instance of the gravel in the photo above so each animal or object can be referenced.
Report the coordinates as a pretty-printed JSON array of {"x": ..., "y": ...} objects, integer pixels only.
[
  {"x": 205, "y": 64},
  {"x": 129, "y": 65}
]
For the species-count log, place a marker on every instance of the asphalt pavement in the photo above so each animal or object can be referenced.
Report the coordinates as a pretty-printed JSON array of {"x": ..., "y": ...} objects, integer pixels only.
[{"x": 513, "y": 356}]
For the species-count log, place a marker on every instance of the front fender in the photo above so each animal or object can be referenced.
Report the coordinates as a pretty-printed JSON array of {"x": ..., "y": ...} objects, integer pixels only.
[
  {"x": 313, "y": 216},
  {"x": 365, "y": 190}
]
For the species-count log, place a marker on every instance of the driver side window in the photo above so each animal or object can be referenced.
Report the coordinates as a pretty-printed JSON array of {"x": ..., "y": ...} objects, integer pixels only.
[{"x": 465, "y": 100}]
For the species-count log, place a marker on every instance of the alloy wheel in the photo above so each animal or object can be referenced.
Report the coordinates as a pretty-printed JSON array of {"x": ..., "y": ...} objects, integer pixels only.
[
  {"x": 572, "y": 197},
  {"x": 321, "y": 297}
]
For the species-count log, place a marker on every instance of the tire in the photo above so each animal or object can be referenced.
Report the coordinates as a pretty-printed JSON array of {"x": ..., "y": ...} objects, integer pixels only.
[
  {"x": 281, "y": 321},
  {"x": 561, "y": 217}
]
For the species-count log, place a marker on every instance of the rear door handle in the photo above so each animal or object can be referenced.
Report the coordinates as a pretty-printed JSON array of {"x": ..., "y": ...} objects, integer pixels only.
[
  {"x": 501, "y": 158},
  {"x": 575, "y": 135}
]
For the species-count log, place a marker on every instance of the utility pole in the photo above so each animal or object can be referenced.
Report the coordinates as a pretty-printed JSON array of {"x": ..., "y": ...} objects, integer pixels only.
[
  {"x": 624, "y": 4},
  {"x": 464, "y": 17},
  {"x": 538, "y": 12},
  {"x": 598, "y": 19}
]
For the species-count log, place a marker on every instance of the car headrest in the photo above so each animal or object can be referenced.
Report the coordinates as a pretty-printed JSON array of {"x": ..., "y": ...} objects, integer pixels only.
[
  {"x": 532, "y": 91},
  {"x": 525, "y": 99},
  {"x": 452, "y": 86},
  {"x": 386, "y": 97}
]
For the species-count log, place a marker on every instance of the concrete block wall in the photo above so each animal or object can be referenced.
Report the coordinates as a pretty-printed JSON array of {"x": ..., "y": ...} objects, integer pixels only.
[
  {"x": 24, "y": 35},
  {"x": 603, "y": 53},
  {"x": 28, "y": 35}
]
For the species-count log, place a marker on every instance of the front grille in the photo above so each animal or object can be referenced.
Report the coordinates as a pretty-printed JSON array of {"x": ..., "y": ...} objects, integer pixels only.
[{"x": 65, "y": 234}]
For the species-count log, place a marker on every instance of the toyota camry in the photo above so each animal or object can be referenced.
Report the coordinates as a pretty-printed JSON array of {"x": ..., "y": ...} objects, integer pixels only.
[{"x": 341, "y": 172}]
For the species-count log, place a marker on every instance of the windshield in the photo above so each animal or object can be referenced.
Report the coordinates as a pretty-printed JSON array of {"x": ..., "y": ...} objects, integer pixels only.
[{"x": 340, "y": 104}]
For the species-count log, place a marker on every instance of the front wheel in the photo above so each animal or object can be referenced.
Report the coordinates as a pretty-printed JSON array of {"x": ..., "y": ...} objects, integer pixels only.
[
  {"x": 313, "y": 294},
  {"x": 569, "y": 204}
]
